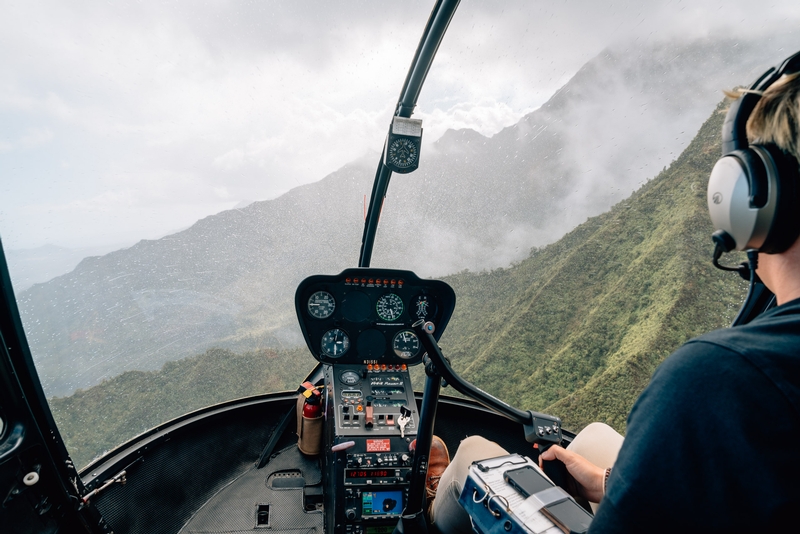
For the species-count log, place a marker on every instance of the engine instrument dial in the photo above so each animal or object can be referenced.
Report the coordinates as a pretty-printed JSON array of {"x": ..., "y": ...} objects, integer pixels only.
[
  {"x": 350, "y": 378},
  {"x": 406, "y": 344},
  {"x": 389, "y": 307},
  {"x": 335, "y": 343},
  {"x": 321, "y": 305}
]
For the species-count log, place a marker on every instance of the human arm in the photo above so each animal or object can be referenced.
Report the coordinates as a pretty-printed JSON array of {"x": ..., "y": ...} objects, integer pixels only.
[{"x": 588, "y": 477}]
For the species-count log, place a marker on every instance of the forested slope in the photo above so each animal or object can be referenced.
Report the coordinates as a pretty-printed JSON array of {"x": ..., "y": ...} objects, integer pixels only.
[
  {"x": 578, "y": 328},
  {"x": 98, "y": 419}
]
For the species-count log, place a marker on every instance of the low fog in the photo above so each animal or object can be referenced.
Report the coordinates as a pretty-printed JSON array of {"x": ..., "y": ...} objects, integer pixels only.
[
  {"x": 123, "y": 125},
  {"x": 625, "y": 116}
]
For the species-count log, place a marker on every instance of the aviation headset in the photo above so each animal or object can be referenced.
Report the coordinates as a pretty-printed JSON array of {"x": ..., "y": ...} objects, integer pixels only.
[{"x": 753, "y": 191}]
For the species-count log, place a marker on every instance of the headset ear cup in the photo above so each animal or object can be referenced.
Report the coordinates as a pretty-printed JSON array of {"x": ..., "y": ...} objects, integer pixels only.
[
  {"x": 785, "y": 227},
  {"x": 741, "y": 200},
  {"x": 755, "y": 168}
]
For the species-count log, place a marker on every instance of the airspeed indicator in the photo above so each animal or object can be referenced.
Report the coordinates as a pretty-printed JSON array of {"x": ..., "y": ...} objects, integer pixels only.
[
  {"x": 321, "y": 305},
  {"x": 389, "y": 307}
]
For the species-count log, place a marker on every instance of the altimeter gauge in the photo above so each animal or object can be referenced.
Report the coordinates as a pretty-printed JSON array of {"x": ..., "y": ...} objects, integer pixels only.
[
  {"x": 321, "y": 305},
  {"x": 335, "y": 343},
  {"x": 389, "y": 307},
  {"x": 406, "y": 344}
]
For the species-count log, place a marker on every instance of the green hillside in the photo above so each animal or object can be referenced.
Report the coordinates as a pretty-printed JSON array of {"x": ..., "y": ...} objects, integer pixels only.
[
  {"x": 577, "y": 329},
  {"x": 100, "y": 418}
]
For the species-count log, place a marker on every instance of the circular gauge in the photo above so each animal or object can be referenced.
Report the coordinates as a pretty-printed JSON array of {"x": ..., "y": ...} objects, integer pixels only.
[
  {"x": 422, "y": 307},
  {"x": 406, "y": 344},
  {"x": 389, "y": 307},
  {"x": 350, "y": 378},
  {"x": 321, "y": 305},
  {"x": 403, "y": 152},
  {"x": 335, "y": 343}
]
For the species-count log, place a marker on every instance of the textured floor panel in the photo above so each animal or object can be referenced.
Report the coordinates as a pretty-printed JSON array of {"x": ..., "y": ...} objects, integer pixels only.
[{"x": 278, "y": 484}]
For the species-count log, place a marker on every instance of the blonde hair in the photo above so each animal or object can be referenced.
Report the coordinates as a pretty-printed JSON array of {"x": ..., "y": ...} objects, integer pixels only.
[{"x": 776, "y": 117}]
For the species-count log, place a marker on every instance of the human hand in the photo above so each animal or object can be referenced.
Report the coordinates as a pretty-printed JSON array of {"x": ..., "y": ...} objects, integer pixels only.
[{"x": 588, "y": 477}]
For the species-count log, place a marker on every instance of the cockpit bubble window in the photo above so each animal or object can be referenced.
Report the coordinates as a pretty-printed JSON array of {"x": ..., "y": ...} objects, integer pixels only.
[{"x": 171, "y": 174}]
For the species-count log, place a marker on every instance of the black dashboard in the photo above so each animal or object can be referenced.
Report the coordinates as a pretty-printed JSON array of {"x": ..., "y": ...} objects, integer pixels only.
[{"x": 364, "y": 315}]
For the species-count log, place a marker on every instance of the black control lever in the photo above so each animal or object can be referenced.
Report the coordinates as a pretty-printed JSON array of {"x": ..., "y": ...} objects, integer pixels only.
[
  {"x": 540, "y": 429},
  {"x": 413, "y": 519}
]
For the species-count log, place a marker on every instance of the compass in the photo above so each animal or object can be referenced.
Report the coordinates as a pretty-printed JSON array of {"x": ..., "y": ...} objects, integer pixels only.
[
  {"x": 403, "y": 152},
  {"x": 403, "y": 143}
]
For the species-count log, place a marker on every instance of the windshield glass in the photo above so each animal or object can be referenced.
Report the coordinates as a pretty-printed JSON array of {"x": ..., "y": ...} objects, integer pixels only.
[{"x": 171, "y": 173}]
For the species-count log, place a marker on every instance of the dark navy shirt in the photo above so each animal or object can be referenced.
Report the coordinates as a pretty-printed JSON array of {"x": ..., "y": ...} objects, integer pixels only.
[{"x": 713, "y": 442}]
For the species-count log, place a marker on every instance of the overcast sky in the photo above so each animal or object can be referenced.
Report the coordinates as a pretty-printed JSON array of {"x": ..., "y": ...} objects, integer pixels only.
[{"x": 121, "y": 121}]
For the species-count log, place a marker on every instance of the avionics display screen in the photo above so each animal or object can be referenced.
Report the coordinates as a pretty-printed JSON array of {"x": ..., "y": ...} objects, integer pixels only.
[
  {"x": 380, "y": 530},
  {"x": 381, "y": 503},
  {"x": 368, "y": 473}
]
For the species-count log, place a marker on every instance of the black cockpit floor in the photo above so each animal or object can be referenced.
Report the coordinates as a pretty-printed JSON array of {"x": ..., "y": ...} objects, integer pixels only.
[{"x": 270, "y": 498}]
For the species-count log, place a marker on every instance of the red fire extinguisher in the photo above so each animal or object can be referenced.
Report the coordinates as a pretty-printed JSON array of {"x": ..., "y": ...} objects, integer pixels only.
[{"x": 312, "y": 407}]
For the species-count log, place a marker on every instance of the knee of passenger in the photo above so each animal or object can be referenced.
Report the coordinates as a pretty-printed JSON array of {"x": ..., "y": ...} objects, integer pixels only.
[{"x": 474, "y": 441}]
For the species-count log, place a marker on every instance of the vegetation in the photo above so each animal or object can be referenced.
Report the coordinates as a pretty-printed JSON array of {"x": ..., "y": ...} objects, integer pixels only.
[
  {"x": 577, "y": 329},
  {"x": 98, "y": 419}
]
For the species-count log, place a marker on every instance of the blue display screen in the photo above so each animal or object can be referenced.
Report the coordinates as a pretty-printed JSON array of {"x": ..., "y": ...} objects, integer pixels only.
[{"x": 381, "y": 503}]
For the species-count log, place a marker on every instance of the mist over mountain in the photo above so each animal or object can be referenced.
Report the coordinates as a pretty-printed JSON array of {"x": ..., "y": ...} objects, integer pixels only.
[
  {"x": 576, "y": 329},
  {"x": 37, "y": 265},
  {"x": 475, "y": 203},
  {"x": 579, "y": 327}
]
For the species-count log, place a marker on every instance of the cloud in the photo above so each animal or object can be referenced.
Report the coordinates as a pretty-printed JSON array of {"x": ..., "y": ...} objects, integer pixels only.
[
  {"x": 35, "y": 137},
  {"x": 230, "y": 160},
  {"x": 486, "y": 117},
  {"x": 262, "y": 97}
]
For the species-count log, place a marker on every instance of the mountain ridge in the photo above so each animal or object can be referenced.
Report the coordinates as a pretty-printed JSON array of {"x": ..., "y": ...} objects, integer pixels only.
[
  {"x": 551, "y": 333},
  {"x": 643, "y": 280},
  {"x": 228, "y": 280}
]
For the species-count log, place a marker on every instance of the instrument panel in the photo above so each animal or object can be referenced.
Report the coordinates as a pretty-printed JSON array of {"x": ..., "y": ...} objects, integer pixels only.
[{"x": 364, "y": 315}]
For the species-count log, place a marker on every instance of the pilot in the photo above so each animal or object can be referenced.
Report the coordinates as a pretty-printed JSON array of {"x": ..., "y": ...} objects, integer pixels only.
[{"x": 712, "y": 442}]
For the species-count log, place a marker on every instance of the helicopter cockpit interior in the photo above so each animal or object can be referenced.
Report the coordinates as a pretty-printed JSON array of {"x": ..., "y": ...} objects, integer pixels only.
[
  {"x": 360, "y": 326},
  {"x": 341, "y": 394}
]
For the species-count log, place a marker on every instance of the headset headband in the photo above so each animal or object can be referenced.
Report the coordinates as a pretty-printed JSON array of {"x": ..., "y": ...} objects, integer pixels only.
[{"x": 734, "y": 130}]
